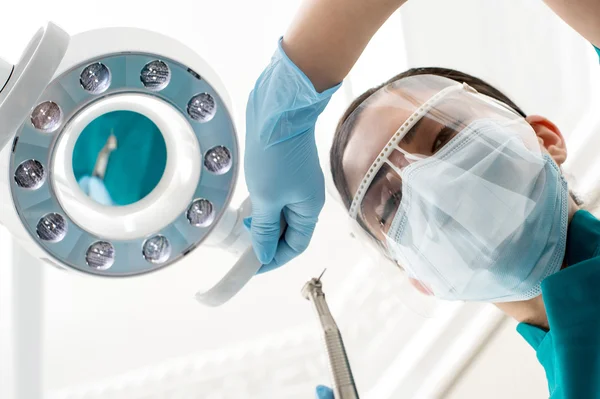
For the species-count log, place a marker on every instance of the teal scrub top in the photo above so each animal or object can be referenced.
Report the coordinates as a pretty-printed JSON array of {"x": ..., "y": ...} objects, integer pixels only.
[{"x": 570, "y": 350}]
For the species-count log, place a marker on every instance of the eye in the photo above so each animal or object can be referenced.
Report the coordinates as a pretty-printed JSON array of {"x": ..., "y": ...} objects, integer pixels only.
[
  {"x": 379, "y": 214},
  {"x": 388, "y": 208},
  {"x": 442, "y": 138}
]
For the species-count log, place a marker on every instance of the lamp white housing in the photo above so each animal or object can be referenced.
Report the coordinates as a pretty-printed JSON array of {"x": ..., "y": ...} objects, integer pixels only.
[{"x": 59, "y": 87}]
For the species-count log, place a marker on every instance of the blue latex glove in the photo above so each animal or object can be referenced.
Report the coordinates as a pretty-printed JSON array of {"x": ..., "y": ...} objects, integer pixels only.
[
  {"x": 282, "y": 167},
  {"x": 95, "y": 189},
  {"x": 323, "y": 392}
]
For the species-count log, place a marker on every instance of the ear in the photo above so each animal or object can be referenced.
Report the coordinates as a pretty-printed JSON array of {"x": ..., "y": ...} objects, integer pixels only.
[{"x": 550, "y": 137}]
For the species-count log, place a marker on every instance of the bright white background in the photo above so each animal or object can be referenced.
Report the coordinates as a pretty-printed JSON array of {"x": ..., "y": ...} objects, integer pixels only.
[{"x": 97, "y": 329}]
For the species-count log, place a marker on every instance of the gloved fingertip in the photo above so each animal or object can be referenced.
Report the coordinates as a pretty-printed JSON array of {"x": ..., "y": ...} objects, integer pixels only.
[
  {"x": 323, "y": 392},
  {"x": 283, "y": 255},
  {"x": 322, "y": 389},
  {"x": 266, "y": 256},
  {"x": 268, "y": 267},
  {"x": 265, "y": 231},
  {"x": 265, "y": 246},
  {"x": 262, "y": 257},
  {"x": 248, "y": 223},
  {"x": 265, "y": 252}
]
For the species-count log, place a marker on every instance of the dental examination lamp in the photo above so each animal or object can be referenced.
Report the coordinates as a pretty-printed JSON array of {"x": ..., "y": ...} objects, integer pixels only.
[{"x": 73, "y": 101}]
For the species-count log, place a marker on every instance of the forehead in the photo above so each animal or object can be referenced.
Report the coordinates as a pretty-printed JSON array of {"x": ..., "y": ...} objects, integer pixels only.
[{"x": 380, "y": 117}]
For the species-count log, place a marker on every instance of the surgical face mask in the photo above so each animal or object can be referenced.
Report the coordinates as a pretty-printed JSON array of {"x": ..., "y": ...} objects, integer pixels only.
[{"x": 483, "y": 218}]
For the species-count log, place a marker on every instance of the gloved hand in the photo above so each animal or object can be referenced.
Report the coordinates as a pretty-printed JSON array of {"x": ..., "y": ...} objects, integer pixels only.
[
  {"x": 323, "y": 392},
  {"x": 95, "y": 189},
  {"x": 282, "y": 167}
]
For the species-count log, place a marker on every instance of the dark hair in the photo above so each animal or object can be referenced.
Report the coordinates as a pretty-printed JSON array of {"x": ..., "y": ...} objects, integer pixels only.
[{"x": 345, "y": 127}]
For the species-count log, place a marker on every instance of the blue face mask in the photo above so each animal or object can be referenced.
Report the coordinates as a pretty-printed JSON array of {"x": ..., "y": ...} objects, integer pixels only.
[{"x": 484, "y": 219}]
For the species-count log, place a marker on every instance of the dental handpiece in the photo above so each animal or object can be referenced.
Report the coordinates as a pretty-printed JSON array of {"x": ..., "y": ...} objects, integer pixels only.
[{"x": 343, "y": 381}]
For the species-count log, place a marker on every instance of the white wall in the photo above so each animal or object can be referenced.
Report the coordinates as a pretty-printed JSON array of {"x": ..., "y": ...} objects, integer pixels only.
[
  {"x": 505, "y": 368},
  {"x": 6, "y": 337}
]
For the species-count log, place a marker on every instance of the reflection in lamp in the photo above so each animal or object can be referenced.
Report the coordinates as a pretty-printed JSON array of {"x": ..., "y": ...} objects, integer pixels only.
[
  {"x": 125, "y": 151},
  {"x": 104, "y": 155},
  {"x": 94, "y": 188}
]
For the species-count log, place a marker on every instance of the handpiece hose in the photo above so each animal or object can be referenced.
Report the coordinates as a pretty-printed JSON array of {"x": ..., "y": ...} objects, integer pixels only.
[{"x": 343, "y": 381}]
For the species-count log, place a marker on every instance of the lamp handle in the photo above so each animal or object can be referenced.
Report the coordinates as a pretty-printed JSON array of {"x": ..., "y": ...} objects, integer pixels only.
[{"x": 233, "y": 237}]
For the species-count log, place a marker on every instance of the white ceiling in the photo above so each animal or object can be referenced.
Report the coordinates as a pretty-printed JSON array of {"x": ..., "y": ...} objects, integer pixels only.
[{"x": 96, "y": 329}]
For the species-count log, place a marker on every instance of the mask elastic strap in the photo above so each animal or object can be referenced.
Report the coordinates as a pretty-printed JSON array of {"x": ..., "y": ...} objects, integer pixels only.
[
  {"x": 408, "y": 155},
  {"x": 393, "y": 144},
  {"x": 394, "y": 167}
]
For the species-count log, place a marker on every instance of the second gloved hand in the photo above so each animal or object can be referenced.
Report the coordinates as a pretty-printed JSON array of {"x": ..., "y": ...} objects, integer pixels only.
[
  {"x": 282, "y": 167},
  {"x": 323, "y": 392}
]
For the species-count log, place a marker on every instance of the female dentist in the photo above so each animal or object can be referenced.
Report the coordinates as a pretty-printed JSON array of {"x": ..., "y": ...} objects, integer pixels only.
[{"x": 557, "y": 303}]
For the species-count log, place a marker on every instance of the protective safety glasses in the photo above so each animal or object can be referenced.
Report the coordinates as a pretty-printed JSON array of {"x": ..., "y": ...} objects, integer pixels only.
[{"x": 452, "y": 153}]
